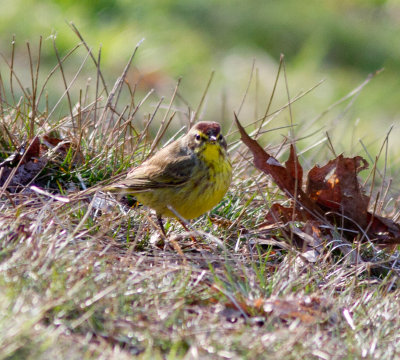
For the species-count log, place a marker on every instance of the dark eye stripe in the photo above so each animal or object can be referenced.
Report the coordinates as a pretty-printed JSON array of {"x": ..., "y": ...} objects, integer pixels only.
[{"x": 201, "y": 136}]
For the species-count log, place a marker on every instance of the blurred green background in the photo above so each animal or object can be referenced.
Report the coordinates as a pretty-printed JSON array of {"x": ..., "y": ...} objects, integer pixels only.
[{"x": 339, "y": 41}]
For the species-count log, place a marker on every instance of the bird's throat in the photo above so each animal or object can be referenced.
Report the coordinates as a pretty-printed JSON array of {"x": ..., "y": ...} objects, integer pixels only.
[{"x": 211, "y": 153}]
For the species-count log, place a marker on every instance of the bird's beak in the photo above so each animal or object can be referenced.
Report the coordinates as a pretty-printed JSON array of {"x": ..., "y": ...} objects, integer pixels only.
[{"x": 213, "y": 139}]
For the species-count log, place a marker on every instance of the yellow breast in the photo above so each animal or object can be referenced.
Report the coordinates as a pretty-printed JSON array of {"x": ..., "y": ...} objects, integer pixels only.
[{"x": 206, "y": 188}]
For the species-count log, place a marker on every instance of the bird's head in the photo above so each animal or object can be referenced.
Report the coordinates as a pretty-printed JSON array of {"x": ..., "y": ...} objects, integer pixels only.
[{"x": 204, "y": 134}]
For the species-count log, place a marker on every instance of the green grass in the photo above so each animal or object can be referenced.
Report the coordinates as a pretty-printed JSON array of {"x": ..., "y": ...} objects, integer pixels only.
[{"x": 93, "y": 280}]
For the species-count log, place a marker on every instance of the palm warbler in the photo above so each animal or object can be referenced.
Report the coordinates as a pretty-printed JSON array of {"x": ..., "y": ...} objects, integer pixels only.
[{"x": 188, "y": 177}]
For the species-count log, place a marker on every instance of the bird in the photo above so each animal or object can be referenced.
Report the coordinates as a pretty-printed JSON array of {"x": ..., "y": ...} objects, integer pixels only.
[{"x": 185, "y": 179}]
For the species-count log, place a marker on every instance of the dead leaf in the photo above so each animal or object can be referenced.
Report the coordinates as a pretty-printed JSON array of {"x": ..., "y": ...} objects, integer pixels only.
[
  {"x": 279, "y": 213},
  {"x": 333, "y": 196},
  {"x": 32, "y": 159},
  {"x": 220, "y": 221},
  {"x": 335, "y": 187},
  {"x": 293, "y": 167},
  {"x": 268, "y": 164},
  {"x": 309, "y": 310},
  {"x": 383, "y": 231},
  {"x": 26, "y": 152},
  {"x": 286, "y": 177},
  {"x": 61, "y": 147}
]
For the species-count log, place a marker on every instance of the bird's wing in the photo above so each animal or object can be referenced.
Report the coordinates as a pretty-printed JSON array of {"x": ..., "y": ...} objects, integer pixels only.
[{"x": 156, "y": 173}]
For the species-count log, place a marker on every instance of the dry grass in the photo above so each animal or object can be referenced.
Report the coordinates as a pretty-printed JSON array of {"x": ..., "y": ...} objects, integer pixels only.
[{"x": 91, "y": 279}]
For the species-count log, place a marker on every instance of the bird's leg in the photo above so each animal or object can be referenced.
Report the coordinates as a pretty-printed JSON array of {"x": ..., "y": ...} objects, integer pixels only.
[
  {"x": 172, "y": 241},
  {"x": 160, "y": 223},
  {"x": 182, "y": 221}
]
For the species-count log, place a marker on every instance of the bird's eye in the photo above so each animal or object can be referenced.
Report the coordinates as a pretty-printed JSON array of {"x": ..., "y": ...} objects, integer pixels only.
[{"x": 197, "y": 137}]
